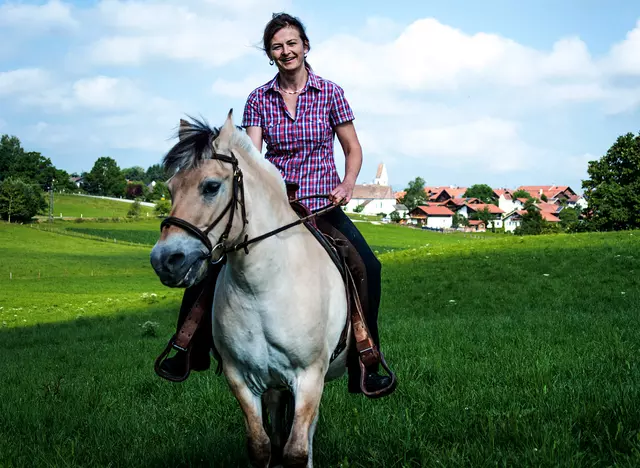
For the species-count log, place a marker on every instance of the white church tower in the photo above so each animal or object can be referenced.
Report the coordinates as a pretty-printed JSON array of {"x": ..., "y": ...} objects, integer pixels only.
[{"x": 382, "y": 178}]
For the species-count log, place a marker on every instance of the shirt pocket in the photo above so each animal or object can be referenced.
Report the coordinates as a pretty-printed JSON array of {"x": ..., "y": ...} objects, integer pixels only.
[
  {"x": 315, "y": 129},
  {"x": 279, "y": 134}
]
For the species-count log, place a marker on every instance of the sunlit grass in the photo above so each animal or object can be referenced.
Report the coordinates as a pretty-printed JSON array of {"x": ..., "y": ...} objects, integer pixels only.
[{"x": 509, "y": 351}]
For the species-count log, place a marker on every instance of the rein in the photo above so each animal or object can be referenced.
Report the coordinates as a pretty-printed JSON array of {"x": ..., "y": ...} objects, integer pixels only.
[{"x": 237, "y": 199}]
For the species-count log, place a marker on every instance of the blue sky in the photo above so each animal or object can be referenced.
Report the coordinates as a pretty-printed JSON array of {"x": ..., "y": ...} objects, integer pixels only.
[{"x": 456, "y": 92}]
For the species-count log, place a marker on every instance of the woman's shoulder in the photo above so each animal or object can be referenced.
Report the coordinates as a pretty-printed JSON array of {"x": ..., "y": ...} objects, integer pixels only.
[{"x": 326, "y": 85}]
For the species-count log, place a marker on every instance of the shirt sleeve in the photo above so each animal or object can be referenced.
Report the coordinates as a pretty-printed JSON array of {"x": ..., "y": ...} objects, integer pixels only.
[
  {"x": 340, "y": 109},
  {"x": 252, "y": 117}
]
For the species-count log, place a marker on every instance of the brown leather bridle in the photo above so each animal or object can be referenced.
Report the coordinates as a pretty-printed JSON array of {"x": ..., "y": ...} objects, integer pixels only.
[{"x": 237, "y": 198}]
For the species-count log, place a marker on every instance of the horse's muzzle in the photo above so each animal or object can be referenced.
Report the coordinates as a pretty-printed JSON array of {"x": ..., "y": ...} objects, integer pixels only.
[{"x": 179, "y": 261}]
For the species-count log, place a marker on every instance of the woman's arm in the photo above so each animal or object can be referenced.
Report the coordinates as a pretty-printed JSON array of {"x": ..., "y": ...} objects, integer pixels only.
[
  {"x": 255, "y": 133},
  {"x": 348, "y": 138}
]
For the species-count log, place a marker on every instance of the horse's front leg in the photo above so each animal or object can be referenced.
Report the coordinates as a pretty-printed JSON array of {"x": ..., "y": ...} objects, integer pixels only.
[
  {"x": 258, "y": 443},
  {"x": 308, "y": 393}
]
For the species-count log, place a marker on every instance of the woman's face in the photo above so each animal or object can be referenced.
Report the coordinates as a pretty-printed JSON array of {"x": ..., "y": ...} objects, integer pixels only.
[{"x": 287, "y": 49}]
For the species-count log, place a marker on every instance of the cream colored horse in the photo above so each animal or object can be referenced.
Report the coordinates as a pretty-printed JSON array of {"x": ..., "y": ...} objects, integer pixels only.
[{"x": 279, "y": 310}]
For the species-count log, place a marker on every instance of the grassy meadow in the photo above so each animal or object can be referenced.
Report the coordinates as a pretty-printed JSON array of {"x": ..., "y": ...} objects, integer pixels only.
[
  {"x": 77, "y": 206},
  {"x": 509, "y": 352}
]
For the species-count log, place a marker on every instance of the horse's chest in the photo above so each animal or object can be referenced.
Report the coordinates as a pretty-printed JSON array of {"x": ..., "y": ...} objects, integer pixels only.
[{"x": 262, "y": 357}]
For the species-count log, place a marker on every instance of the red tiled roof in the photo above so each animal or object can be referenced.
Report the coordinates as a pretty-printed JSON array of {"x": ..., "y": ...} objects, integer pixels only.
[
  {"x": 493, "y": 209},
  {"x": 550, "y": 217},
  {"x": 435, "y": 210},
  {"x": 550, "y": 191},
  {"x": 475, "y": 222}
]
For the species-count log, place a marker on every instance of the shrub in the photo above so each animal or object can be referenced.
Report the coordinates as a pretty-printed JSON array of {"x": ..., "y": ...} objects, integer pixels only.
[
  {"x": 134, "y": 210},
  {"x": 163, "y": 207}
]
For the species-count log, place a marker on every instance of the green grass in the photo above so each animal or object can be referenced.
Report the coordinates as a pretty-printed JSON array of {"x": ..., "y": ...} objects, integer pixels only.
[
  {"x": 76, "y": 206},
  {"x": 509, "y": 352}
]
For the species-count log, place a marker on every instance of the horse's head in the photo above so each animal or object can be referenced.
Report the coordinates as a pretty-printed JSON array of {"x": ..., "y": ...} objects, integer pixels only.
[{"x": 207, "y": 203}]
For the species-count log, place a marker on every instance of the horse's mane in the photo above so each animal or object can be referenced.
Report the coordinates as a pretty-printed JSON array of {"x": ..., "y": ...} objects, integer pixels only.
[{"x": 196, "y": 145}]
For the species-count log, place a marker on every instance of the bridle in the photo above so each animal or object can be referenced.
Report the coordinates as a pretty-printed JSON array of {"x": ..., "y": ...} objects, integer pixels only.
[{"x": 237, "y": 198}]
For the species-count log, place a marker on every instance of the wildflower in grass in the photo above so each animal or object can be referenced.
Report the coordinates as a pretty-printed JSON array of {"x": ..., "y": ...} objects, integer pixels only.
[
  {"x": 452, "y": 300},
  {"x": 623, "y": 293},
  {"x": 545, "y": 274}
]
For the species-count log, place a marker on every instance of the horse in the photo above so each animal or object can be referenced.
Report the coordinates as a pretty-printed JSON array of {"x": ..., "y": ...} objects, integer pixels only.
[{"x": 279, "y": 306}]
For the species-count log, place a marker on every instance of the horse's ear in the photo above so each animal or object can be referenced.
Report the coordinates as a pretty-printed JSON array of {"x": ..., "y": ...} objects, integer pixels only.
[
  {"x": 183, "y": 128},
  {"x": 228, "y": 128}
]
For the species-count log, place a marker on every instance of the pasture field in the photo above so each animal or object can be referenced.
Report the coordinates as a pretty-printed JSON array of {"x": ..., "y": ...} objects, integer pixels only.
[
  {"x": 509, "y": 352},
  {"x": 76, "y": 206}
]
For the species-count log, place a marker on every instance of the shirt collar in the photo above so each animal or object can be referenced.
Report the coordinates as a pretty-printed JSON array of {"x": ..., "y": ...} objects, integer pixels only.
[{"x": 313, "y": 81}]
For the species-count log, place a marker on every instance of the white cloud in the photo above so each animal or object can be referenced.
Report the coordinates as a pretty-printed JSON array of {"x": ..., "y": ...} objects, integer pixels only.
[
  {"x": 625, "y": 56},
  {"x": 240, "y": 88},
  {"x": 53, "y": 15},
  {"x": 113, "y": 94},
  {"x": 208, "y": 32},
  {"x": 22, "y": 80}
]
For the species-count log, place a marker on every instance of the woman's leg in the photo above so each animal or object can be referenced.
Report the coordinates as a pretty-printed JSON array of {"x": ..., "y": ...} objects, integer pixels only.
[
  {"x": 340, "y": 221},
  {"x": 202, "y": 340}
]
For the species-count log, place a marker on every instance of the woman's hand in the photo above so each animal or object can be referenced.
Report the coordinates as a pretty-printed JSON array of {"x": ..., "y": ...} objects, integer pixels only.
[{"x": 341, "y": 195}]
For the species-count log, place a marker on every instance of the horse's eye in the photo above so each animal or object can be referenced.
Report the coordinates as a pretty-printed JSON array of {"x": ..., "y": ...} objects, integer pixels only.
[{"x": 210, "y": 187}]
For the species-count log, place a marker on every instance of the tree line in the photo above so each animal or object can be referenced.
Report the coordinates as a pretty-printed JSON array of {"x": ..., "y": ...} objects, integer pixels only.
[
  {"x": 25, "y": 176},
  {"x": 611, "y": 190}
]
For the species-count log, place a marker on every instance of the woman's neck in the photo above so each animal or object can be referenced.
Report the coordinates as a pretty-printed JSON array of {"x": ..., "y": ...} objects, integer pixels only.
[{"x": 294, "y": 81}]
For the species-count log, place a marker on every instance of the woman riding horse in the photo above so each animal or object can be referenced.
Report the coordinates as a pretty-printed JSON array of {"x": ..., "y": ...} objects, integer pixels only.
[{"x": 297, "y": 114}]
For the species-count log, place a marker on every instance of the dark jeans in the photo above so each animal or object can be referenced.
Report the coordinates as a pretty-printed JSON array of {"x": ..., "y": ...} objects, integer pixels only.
[
  {"x": 339, "y": 220},
  {"x": 202, "y": 341}
]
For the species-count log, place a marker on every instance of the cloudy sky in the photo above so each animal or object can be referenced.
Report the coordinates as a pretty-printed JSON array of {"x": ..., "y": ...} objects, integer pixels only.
[{"x": 457, "y": 92}]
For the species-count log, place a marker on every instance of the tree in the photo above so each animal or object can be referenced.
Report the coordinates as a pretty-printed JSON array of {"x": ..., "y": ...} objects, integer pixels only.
[
  {"x": 532, "y": 222},
  {"x": 10, "y": 150},
  {"x": 162, "y": 208},
  {"x": 415, "y": 194},
  {"x": 30, "y": 166},
  {"x": 485, "y": 216},
  {"x": 135, "y": 190},
  {"x": 105, "y": 178},
  {"x": 155, "y": 172},
  {"x": 134, "y": 210},
  {"x": 20, "y": 201},
  {"x": 458, "y": 220},
  {"x": 134, "y": 173},
  {"x": 481, "y": 192},
  {"x": 395, "y": 216},
  {"x": 522, "y": 194},
  {"x": 568, "y": 218},
  {"x": 612, "y": 190},
  {"x": 159, "y": 192}
]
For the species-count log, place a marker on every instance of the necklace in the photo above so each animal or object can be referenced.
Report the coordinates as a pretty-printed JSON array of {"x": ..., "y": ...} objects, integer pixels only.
[{"x": 291, "y": 92}]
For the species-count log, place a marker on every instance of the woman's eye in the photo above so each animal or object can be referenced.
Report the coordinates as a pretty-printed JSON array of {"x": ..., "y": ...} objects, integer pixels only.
[{"x": 210, "y": 188}]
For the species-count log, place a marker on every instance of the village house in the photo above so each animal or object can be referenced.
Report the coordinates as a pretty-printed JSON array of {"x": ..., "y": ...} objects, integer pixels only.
[
  {"x": 432, "y": 216},
  {"x": 374, "y": 198}
]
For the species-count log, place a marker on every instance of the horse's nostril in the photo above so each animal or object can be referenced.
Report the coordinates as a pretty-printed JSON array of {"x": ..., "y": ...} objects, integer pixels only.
[{"x": 175, "y": 260}]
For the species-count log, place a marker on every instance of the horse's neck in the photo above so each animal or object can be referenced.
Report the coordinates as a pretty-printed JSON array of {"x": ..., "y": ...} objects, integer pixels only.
[{"x": 267, "y": 210}]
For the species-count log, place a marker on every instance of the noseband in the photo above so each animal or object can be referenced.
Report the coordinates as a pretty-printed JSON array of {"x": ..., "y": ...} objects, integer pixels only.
[{"x": 237, "y": 198}]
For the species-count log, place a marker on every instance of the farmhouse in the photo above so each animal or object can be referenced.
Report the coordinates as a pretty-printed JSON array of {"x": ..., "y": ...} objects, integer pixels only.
[{"x": 435, "y": 217}]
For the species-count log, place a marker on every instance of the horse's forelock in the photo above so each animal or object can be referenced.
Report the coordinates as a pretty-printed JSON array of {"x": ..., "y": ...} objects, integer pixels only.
[{"x": 195, "y": 145}]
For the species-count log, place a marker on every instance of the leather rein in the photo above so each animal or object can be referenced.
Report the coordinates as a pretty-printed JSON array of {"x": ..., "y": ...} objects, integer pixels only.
[{"x": 237, "y": 198}]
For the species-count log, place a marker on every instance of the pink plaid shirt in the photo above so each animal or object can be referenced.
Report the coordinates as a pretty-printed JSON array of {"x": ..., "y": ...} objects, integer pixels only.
[{"x": 301, "y": 148}]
